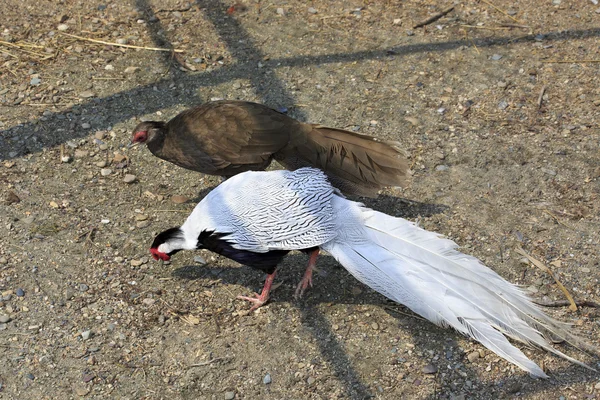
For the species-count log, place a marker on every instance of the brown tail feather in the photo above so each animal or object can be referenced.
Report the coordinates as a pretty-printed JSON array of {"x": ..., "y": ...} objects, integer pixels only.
[{"x": 355, "y": 163}]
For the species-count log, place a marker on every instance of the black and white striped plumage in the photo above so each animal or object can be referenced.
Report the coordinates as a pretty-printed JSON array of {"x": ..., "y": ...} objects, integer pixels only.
[{"x": 257, "y": 217}]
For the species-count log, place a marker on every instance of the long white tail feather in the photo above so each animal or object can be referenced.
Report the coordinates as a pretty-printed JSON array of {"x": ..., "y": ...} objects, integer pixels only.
[{"x": 428, "y": 275}]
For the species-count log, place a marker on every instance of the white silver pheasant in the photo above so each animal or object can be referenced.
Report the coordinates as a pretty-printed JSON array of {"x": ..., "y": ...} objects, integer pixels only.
[{"x": 256, "y": 218}]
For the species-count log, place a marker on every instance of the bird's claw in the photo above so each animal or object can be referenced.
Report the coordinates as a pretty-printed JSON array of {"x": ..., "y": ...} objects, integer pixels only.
[
  {"x": 304, "y": 283},
  {"x": 258, "y": 301}
]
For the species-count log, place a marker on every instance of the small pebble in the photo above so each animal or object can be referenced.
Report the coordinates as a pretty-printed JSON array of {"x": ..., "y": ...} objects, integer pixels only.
[
  {"x": 20, "y": 292},
  {"x": 597, "y": 386},
  {"x": 35, "y": 81},
  {"x": 199, "y": 260},
  {"x": 442, "y": 168},
  {"x": 310, "y": 380},
  {"x": 85, "y": 335},
  {"x": 141, "y": 217},
  {"x": 80, "y": 153},
  {"x": 496, "y": 57},
  {"x": 86, "y": 125},
  {"x": 229, "y": 395},
  {"x": 83, "y": 287},
  {"x": 179, "y": 199},
  {"x": 121, "y": 41},
  {"x": 548, "y": 171},
  {"x": 142, "y": 224},
  {"x": 503, "y": 105},
  {"x": 81, "y": 390},
  {"x": 473, "y": 356},
  {"x": 62, "y": 27},
  {"x": 4, "y": 318},
  {"x": 129, "y": 178},
  {"x": 131, "y": 70},
  {"x": 267, "y": 379},
  {"x": 312, "y": 10},
  {"x": 66, "y": 159},
  {"x": 101, "y": 164},
  {"x": 105, "y": 171},
  {"x": 514, "y": 387},
  {"x": 280, "y": 11},
  {"x": 87, "y": 94},
  {"x": 109, "y": 67},
  {"x": 136, "y": 263},
  {"x": 430, "y": 369}
]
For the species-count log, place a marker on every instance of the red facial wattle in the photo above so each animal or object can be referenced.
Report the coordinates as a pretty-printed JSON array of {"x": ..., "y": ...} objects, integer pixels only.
[
  {"x": 140, "y": 137},
  {"x": 159, "y": 255}
]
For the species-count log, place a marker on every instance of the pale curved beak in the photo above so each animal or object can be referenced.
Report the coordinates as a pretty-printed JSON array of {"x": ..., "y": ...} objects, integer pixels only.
[{"x": 132, "y": 144}]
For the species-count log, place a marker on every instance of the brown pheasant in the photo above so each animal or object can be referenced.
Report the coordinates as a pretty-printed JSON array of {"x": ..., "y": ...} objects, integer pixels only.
[{"x": 229, "y": 137}]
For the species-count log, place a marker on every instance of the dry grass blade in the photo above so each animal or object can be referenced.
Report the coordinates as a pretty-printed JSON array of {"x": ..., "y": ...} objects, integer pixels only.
[
  {"x": 544, "y": 267},
  {"x": 129, "y": 46},
  {"x": 503, "y": 12},
  {"x": 7, "y": 53},
  {"x": 20, "y": 47}
]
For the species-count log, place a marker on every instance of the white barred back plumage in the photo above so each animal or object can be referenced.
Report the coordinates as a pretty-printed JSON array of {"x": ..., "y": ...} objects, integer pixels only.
[
  {"x": 282, "y": 210},
  {"x": 288, "y": 210}
]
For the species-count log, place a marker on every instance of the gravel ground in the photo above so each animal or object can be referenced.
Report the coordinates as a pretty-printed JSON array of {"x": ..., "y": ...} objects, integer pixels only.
[{"x": 504, "y": 145}]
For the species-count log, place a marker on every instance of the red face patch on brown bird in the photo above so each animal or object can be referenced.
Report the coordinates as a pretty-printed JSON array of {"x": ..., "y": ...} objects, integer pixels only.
[{"x": 139, "y": 137}]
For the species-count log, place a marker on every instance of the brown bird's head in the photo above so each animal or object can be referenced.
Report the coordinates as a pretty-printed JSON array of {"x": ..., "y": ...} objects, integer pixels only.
[{"x": 147, "y": 131}]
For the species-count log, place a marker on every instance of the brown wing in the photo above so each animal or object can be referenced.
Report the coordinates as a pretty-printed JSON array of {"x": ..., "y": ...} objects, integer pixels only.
[
  {"x": 226, "y": 137},
  {"x": 355, "y": 163}
]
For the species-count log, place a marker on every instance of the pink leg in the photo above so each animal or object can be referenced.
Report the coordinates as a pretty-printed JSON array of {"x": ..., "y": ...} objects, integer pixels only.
[
  {"x": 264, "y": 295},
  {"x": 307, "y": 279}
]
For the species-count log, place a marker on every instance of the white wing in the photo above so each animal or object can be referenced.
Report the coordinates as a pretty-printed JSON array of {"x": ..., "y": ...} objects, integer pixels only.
[{"x": 262, "y": 211}]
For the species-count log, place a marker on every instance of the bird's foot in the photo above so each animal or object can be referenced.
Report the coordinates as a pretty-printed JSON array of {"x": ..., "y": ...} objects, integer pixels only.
[
  {"x": 304, "y": 283},
  {"x": 258, "y": 300}
]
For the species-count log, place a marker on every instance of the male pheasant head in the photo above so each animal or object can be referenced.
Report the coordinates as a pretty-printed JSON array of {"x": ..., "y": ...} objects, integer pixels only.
[{"x": 167, "y": 243}]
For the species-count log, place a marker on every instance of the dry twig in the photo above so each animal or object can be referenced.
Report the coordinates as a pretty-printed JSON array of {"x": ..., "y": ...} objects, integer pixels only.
[
  {"x": 571, "y": 61},
  {"x": 129, "y": 46},
  {"x": 544, "y": 267},
  {"x": 202, "y": 364},
  {"x": 490, "y": 28},
  {"x": 565, "y": 303},
  {"x": 541, "y": 96},
  {"x": 433, "y": 18},
  {"x": 515, "y": 26},
  {"x": 392, "y": 309}
]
